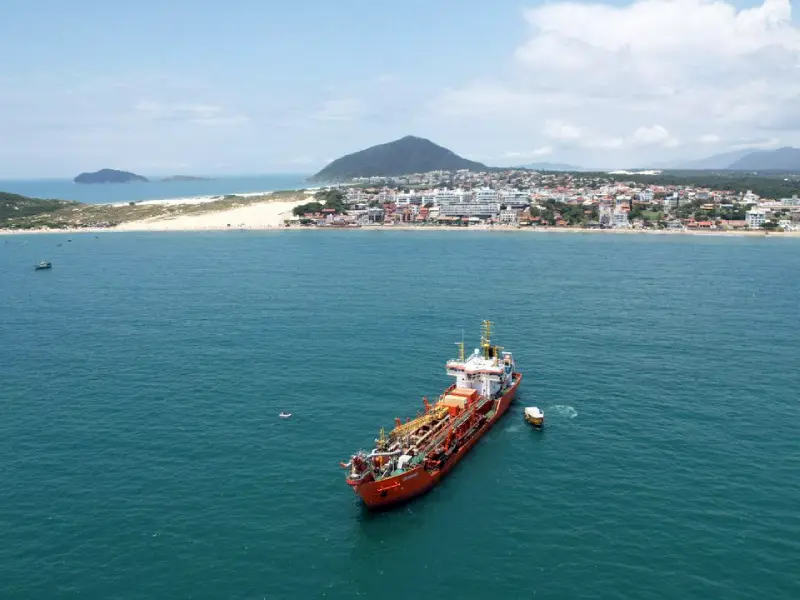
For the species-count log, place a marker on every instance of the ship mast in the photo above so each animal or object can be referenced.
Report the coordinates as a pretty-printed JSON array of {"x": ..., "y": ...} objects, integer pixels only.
[
  {"x": 486, "y": 342},
  {"x": 461, "y": 347}
]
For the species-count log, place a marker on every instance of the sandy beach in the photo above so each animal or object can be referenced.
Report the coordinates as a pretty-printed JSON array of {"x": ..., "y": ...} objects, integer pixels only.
[
  {"x": 259, "y": 215},
  {"x": 272, "y": 214},
  {"x": 265, "y": 215}
]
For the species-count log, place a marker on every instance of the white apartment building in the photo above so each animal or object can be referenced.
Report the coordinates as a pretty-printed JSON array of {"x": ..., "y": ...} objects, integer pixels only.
[
  {"x": 385, "y": 196},
  {"x": 480, "y": 210},
  {"x": 750, "y": 198},
  {"x": 407, "y": 198},
  {"x": 619, "y": 219},
  {"x": 509, "y": 217},
  {"x": 442, "y": 197},
  {"x": 486, "y": 195},
  {"x": 645, "y": 196},
  {"x": 671, "y": 201},
  {"x": 482, "y": 204},
  {"x": 515, "y": 198},
  {"x": 755, "y": 217}
]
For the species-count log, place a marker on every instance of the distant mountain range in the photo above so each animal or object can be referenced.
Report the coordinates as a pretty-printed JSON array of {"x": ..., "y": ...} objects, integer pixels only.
[
  {"x": 748, "y": 159},
  {"x": 400, "y": 157}
]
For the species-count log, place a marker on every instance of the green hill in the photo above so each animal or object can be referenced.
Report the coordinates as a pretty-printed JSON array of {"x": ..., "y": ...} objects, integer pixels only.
[
  {"x": 400, "y": 157},
  {"x": 14, "y": 206}
]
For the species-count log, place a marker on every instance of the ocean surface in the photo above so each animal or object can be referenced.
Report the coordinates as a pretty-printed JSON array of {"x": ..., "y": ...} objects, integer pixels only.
[
  {"x": 111, "y": 193},
  {"x": 141, "y": 454}
]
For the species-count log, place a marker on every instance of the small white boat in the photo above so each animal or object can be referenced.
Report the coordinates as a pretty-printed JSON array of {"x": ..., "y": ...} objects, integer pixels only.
[
  {"x": 534, "y": 416},
  {"x": 285, "y": 415}
]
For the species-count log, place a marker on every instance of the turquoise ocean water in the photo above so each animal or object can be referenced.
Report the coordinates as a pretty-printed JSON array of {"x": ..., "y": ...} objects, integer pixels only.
[
  {"x": 142, "y": 457},
  {"x": 66, "y": 189}
]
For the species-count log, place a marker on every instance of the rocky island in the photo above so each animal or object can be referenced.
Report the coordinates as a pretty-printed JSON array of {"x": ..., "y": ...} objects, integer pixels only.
[{"x": 109, "y": 176}]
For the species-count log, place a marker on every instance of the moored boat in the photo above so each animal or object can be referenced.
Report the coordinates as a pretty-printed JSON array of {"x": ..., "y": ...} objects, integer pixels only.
[
  {"x": 417, "y": 454},
  {"x": 534, "y": 416}
]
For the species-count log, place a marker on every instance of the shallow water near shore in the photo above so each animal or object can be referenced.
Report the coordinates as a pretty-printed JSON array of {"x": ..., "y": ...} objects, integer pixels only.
[{"x": 143, "y": 457}]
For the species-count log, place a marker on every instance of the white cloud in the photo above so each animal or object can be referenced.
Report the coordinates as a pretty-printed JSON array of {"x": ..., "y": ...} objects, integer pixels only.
[
  {"x": 637, "y": 78},
  {"x": 656, "y": 135},
  {"x": 558, "y": 130}
]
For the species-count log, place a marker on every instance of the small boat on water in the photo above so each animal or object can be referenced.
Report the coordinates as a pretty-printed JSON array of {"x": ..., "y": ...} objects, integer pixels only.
[
  {"x": 45, "y": 264},
  {"x": 284, "y": 415},
  {"x": 534, "y": 416}
]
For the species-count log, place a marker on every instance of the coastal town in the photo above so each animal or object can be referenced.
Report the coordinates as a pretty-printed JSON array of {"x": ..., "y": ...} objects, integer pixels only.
[
  {"x": 498, "y": 199},
  {"x": 524, "y": 198}
]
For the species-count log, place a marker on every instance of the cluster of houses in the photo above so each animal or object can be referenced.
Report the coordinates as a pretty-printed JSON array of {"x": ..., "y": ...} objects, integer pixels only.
[{"x": 519, "y": 197}]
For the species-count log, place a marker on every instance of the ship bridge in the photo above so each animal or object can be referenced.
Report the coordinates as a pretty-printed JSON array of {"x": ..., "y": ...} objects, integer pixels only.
[{"x": 488, "y": 369}]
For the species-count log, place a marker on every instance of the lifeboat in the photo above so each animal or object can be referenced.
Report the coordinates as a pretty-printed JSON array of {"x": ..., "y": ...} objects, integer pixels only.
[{"x": 534, "y": 416}]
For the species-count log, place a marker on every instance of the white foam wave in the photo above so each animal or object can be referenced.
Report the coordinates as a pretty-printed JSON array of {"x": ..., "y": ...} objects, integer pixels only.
[
  {"x": 191, "y": 199},
  {"x": 562, "y": 410}
]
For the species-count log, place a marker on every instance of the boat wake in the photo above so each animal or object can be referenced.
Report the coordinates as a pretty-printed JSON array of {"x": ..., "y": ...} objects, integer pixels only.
[{"x": 562, "y": 410}]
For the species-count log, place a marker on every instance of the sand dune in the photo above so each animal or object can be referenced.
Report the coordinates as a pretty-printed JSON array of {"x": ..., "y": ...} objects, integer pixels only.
[{"x": 265, "y": 215}]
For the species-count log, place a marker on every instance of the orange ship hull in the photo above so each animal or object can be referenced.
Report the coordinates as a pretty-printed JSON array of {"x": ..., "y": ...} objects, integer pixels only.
[{"x": 417, "y": 481}]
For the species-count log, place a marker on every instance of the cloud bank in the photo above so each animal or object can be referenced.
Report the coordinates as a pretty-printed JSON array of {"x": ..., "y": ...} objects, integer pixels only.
[{"x": 588, "y": 83}]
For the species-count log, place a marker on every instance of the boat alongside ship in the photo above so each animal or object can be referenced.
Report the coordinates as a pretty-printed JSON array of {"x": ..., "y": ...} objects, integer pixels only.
[{"x": 415, "y": 456}]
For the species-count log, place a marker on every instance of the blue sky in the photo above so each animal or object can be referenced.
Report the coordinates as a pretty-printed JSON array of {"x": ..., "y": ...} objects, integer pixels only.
[{"x": 252, "y": 87}]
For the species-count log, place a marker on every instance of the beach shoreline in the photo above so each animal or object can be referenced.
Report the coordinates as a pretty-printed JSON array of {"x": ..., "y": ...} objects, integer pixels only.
[
  {"x": 231, "y": 221},
  {"x": 269, "y": 211}
]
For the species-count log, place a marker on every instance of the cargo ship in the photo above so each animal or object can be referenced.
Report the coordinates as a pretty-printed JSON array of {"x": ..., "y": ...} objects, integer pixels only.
[{"x": 415, "y": 455}]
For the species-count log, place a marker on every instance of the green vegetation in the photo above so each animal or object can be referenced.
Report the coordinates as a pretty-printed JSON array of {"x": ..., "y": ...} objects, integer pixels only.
[
  {"x": 328, "y": 199},
  {"x": 400, "y": 157},
  {"x": 778, "y": 185},
  {"x": 14, "y": 206},
  {"x": 573, "y": 214},
  {"x": 647, "y": 213},
  {"x": 695, "y": 210}
]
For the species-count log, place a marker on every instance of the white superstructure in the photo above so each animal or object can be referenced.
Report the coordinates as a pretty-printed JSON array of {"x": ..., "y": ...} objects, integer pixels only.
[{"x": 488, "y": 369}]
